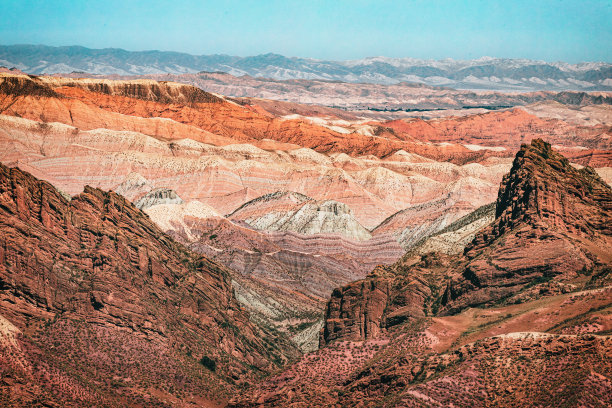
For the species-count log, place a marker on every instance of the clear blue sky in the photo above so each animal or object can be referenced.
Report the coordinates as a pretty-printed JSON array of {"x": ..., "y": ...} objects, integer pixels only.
[{"x": 335, "y": 29}]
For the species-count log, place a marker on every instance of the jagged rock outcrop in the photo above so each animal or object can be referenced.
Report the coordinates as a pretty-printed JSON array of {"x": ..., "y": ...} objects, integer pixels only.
[
  {"x": 355, "y": 311},
  {"x": 552, "y": 221},
  {"x": 387, "y": 297},
  {"x": 364, "y": 309},
  {"x": 89, "y": 284}
]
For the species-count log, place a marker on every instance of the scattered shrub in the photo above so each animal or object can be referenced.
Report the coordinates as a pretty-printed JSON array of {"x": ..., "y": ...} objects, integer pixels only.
[{"x": 208, "y": 363}]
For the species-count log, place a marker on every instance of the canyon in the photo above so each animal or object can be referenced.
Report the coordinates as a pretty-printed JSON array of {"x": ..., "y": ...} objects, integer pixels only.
[{"x": 282, "y": 253}]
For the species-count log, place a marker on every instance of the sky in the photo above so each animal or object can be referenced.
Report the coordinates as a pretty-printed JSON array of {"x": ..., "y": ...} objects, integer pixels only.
[{"x": 571, "y": 31}]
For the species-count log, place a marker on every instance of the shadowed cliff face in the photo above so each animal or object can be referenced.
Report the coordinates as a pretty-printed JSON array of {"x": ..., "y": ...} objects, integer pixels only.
[
  {"x": 99, "y": 302},
  {"x": 22, "y": 85},
  {"x": 145, "y": 90},
  {"x": 162, "y": 92}
]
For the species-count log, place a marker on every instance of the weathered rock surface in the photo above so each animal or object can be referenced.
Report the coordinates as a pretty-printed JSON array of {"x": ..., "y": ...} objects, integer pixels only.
[
  {"x": 283, "y": 278},
  {"x": 104, "y": 308},
  {"x": 405, "y": 336},
  {"x": 365, "y": 309},
  {"x": 274, "y": 212},
  {"x": 552, "y": 221},
  {"x": 411, "y": 225}
]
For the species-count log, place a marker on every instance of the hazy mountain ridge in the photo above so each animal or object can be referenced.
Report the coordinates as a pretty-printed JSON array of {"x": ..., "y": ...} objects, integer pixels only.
[{"x": 482, "y": 73}]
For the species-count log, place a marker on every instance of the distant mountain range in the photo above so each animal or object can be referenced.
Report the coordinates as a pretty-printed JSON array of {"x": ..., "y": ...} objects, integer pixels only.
[{"x": 484, "y": 73}]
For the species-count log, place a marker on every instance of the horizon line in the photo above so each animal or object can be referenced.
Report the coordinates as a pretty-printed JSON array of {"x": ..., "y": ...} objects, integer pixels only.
[{"x": 308, "y": 58}]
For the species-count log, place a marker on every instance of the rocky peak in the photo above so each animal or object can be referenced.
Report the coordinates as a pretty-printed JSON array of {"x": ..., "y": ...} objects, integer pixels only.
[
  {"x": 552, "y": 221},
  {"x": 552, "y": 227},
  {"x": 544, "y": 190}
]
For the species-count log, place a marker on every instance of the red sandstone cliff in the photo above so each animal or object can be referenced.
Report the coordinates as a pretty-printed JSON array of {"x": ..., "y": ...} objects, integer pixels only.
[
  {"x": 552, "y": 222},
  {"x": 100, "y": 307}
]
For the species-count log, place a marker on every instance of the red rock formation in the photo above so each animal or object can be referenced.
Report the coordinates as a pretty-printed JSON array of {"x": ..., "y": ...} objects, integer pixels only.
[
  {"x": 355, "y": 311},
  {"x": 366, "y": 309},
  {"x": 92, "y": 104},
  {"x": 425, "y": 348},
  {"x": 552, "y": 221},
  {"x": 227, "y": 177},
  {"x": 174, "y": 113},
  {"x": 502, "y": 129},
  {"x": 109, "y": 310}
]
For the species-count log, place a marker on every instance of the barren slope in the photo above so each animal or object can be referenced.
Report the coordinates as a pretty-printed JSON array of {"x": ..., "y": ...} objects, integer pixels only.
[{"x": 101, "y": 307}]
